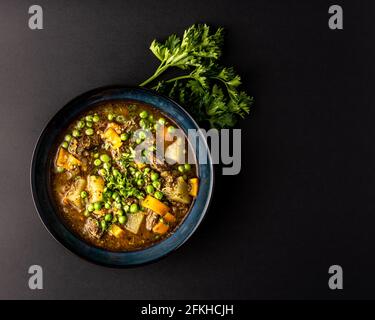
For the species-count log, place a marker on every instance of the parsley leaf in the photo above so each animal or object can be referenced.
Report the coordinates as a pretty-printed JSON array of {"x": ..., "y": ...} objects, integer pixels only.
[{"x": 209, "y": 90}]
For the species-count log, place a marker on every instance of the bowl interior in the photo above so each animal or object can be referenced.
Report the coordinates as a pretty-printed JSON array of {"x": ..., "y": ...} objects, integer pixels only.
[{"x": 40, "y": 183}]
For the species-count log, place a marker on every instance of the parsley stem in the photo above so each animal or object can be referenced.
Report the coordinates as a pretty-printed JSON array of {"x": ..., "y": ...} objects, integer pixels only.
[
  {"x": 157, "y": 73},
  {"x": 188, "y": 76}
]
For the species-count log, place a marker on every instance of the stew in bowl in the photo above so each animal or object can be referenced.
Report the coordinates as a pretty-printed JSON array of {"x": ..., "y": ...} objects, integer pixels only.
[{"x": 115, "y": 178}]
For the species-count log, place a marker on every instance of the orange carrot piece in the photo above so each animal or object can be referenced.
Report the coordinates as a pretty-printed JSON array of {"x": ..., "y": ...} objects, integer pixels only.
[
  {"x": 160, "y": 228},
  {"x": 194, "y": 183},
  {"x": 170, "y": 218},
  {"x": 155, "y": 205}
]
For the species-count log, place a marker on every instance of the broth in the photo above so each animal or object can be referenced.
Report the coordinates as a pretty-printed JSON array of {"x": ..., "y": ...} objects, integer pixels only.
[{"x": 111, "y": 194}]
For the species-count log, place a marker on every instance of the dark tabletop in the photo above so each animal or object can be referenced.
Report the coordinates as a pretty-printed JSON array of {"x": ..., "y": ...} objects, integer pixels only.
[{"x": 304, "y": 199}]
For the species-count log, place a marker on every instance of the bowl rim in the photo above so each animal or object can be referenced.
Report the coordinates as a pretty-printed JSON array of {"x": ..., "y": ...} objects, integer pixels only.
[{"x": 71, "y": 248}]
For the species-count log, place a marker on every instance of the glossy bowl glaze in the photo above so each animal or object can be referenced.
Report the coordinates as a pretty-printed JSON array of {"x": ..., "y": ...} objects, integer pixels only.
[{"x": 43, "y": 158}]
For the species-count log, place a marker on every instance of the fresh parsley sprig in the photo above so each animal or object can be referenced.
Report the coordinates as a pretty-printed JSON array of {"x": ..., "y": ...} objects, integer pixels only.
[{"x": 209, "y": 90}]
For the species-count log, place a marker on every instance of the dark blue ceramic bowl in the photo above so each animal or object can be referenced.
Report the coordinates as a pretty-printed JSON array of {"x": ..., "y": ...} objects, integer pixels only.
[{"x": 40, "y": 178}]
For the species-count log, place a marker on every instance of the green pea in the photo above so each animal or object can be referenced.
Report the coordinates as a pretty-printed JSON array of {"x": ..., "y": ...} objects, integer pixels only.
[
  {"x": 89, "y": 132},
  {"x": 105, "y": 157},
  {"x": 90, "y": 207},
  {"x": 124, "y": 136},
  {"x": 80, "y": 124},
  {"x": 143, "y": 114},
  {"x": 83, "y": 194},
  {"x": 110, "y": 116},
  {"x": 187, "y": 167},
  {"x": 96, "y": 155},
  {"x": 102, "y": 172},
  {"x": 64, "y": 144},
  {"x": 86, "y": 213},
  {"x": 60, "y": 169},
  {"x": 108, "y": 217},
  {"x": 146, "y": 171},
  {"x": 115, "y": 195},
  {"x": 140, "y": 182},
  {"x": 118, "y": 205},
  {"x": 150, "y": 189},
  {"x": 137, "y": 174},
  {"x": 95, "y": 118},
  {"x": 106, "y": 165},
  {"x": 107, "y": 205},
  {"x": 140, "y": 196},
  {"x": 120, "y": 119},
  {"x": 116, "y": 172},
  {"x": 171, "y": 129},
  {"x": 184, "y": 177},
  {"x": 138, "y": 141},
  {"x": 134, "y": 208},
  {"x": 76, "y": 133},
  {"x": 181, "y": 168},
  {"x": 156, "y": 184},
  {"x": 68, "y": 137},
  {"x": 156, "y": 126},
  {"x": 154, "y": 176},
  {"x": 142, "y": 135},
  {"x": 97, "y": 206},
  {"x": 158, "y": 195},
  {"x": 103, "y": 224},
  {"x": 126, "y": 208},
  {"x": 89, "y": 124},
  {"x": 97, "y": 162},
  {"x": 143, "y": 123},
  {"x": 162, "y": 121},
  {"x": 122, "y": 219},
  {"x": 120, "y": 212},
  {"x": 89, "y": 118}
]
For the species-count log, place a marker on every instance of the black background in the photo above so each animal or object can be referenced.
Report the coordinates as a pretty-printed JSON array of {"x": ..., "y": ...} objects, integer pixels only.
[{"x": 304, "y": 198}]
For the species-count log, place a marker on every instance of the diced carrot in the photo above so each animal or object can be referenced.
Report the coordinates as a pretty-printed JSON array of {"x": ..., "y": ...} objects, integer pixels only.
[
  {"x": 155, "y": 205},
  {"x": 67, "y": 160},
  {"x": 194, "y": 182},
  {"x": 170, "y": 218},
  {"x": 160, "y": 227}
]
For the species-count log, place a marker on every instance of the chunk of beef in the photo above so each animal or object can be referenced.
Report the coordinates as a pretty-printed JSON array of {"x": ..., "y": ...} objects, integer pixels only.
[
  {"x": 157, "y": 164},
  {"x": 178, "y": 190},
  {"x": 92, "y": 228},
  {"x": 84, "y": 143},
  {"x": 72, "y": 148},
  {"x": 151, "y": 219},
  {"x": 130, "y": 125},
  {"x": 95, "y": 140},
  {"x": 168, "y": 177}
]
